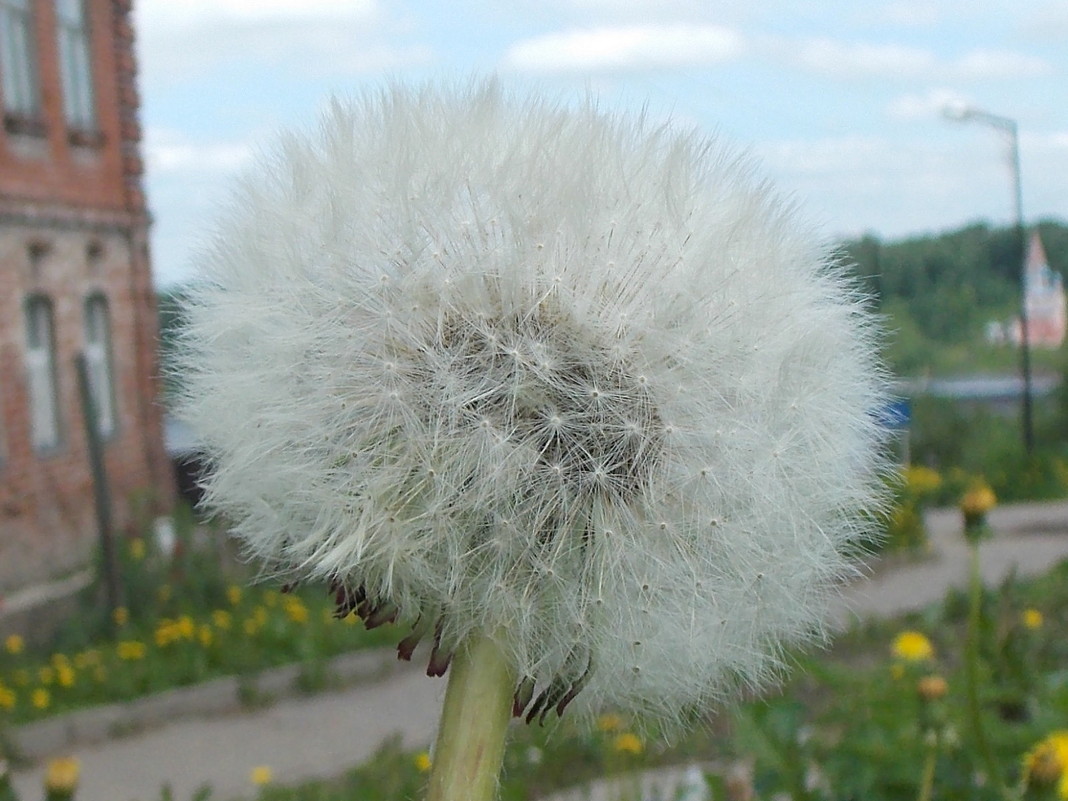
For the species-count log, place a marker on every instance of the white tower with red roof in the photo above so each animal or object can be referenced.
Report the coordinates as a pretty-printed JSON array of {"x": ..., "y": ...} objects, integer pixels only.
[{"x": 1044, "y": 299}]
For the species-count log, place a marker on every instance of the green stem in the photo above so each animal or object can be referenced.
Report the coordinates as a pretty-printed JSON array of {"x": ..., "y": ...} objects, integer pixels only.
[
  {"x": 971, "y": 665},
  {"x": 927, "y": 779},
  {"x": 474, "y": 723}
]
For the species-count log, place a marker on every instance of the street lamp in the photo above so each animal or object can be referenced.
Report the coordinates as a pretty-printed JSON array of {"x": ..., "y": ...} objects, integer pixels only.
[{"x": 1008, "y": 128}]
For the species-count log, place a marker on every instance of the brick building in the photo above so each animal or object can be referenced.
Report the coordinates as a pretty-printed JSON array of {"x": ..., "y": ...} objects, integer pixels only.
[{"x": 74, "y": 278}]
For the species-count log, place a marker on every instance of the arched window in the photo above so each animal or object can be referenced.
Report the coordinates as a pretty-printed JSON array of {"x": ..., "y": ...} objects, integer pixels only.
[
  {"x": 41, "y": 374},
  {"x": 98, "y": 363},
  {"x": 77, "y": 70}
]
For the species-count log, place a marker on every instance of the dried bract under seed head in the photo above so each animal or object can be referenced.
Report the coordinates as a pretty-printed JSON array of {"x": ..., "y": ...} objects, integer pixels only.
[{"x": 490, "y": 364}]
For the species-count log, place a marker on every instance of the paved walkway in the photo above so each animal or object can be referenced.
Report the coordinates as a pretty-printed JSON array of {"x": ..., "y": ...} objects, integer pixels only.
[
  {"x": 1029, "y": 538},
  {"x": 323, "y": 735}
]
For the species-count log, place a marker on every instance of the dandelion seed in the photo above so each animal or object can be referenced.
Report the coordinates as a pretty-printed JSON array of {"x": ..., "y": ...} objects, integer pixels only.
[{"x": 606, "y": 254}]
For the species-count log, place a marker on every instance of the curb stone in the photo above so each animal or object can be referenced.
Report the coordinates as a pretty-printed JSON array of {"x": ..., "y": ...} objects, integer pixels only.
[{"x": 228, "y": 695}]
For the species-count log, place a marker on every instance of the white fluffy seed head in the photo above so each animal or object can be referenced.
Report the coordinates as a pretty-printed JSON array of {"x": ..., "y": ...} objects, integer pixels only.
[{"x": 540, "y": 372}]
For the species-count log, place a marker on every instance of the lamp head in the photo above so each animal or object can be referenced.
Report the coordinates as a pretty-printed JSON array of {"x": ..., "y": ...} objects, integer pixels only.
[{"x": 958, "y": 112}]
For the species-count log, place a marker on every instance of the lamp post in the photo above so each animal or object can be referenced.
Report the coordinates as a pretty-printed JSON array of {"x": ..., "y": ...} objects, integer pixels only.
[{"x": 1009, "y": 129}]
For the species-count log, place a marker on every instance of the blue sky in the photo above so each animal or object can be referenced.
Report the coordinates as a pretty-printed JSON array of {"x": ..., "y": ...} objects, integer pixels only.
[{"x": 840, "y": 102}]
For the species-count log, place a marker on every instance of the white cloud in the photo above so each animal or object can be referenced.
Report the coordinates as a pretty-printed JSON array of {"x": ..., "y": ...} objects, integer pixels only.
[
  {"x": 876, "y": 183},
  {"x": 926, "y": 106},
  {"x": 849, "y": 59},
  {"x": 326, "y": 38},
  {"x": 1000, "y": 64},
  {"x": 1047, "y": 22},
  {"x": 896, "y": 186},
  {"x": 627, "y": 48},
  {"x": 168, "y": 151}
]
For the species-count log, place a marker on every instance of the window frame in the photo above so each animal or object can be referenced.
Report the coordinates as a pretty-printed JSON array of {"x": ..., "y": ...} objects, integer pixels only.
[
  {"x": 20, "y": 78},
  {"x": 42, "y": 375},
  {"x": 100, "y": 363},
  {"x": 74, "y": 52}
]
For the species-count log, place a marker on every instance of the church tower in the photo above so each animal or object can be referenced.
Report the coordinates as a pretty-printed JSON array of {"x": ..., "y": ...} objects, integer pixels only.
[{"x": 1044, "y": 299}]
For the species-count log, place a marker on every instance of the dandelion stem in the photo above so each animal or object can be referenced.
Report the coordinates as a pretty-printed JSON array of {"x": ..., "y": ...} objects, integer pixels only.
[
  {"x": 474, "y": 722},
  {"x": 975, "y": 711},
  {"x": 927, "y": 779}
]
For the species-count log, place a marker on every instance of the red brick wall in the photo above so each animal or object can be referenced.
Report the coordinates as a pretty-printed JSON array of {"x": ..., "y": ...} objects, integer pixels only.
[
  {"x": 80, "y": 209},
  {"x": 51, "y": 169}
]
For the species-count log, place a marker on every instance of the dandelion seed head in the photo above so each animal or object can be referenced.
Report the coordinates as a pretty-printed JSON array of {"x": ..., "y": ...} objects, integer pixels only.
[{"x": 485, "y": 363}]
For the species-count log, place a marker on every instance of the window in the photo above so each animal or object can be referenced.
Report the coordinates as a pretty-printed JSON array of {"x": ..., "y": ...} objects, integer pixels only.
[
  {"x": 77, "y": 73},
  {"x": 98, "y": 363},
  {"x": 41, "y": 372},
  {"x": 18, "y": 67}
]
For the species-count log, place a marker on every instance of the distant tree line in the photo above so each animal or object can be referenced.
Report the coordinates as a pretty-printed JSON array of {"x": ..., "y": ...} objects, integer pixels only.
[{"x": 940, "y": 291}]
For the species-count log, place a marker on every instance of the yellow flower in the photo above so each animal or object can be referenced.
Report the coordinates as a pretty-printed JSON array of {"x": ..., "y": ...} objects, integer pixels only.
[
  {"x": 131, "y": 650},
  {"x": 40, "y": 698},
  {"x": 351, "y": 619},
  {"x": 7, "y": 698},
  {"x": 185, "y": 627},
  {"x": 46, "y": 675},
  {"x": 422, "y": 762},
  {"x": 627, "y": 743},
  {"x": 221, "y": 619},
  {"x": 14, "y": 644},
  {"x": 61, "y": 776},
  {"x": 912, "y": 646},
  {"x": 205, "y": 636},
  {"x": 121, "y": 615},
  {"x": 137, "y": 549},
  {"x": 250, "y": 627},
  {"x": 165, "y": 633},
  {"x": 977, "y": 501},
  {"x": 922, "y": 480},
  {"x": 1031, "y": 618},
  {"x": 1044, "y": 765},
  {"x": 233, "y": 594},
  {"x": 261, "y": 775},
  {"x": 609, "y": 723},
  {"x": 295, "y": 610},
  {"x": 65, "y": 676}
]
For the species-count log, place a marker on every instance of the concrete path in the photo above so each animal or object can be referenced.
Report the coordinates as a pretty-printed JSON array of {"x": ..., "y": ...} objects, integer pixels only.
[
  {"x": 1029, "y": 538},
  {"x": 303, "y": 737},
  {"x": 323, "y": 735}
]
